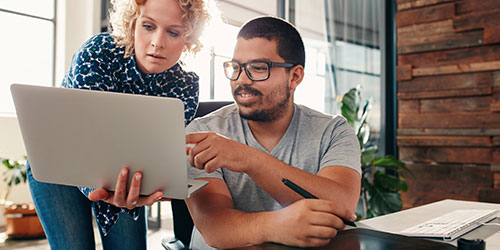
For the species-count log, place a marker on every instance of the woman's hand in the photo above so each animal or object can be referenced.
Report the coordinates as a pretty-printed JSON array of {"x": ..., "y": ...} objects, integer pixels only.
[{"x": 120, "y": 197}]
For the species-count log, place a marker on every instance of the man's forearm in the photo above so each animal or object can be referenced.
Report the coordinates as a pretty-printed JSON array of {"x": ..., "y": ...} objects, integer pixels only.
[
  {"x": 338, "y": 184},
  {"x": 230, "y": 228}
]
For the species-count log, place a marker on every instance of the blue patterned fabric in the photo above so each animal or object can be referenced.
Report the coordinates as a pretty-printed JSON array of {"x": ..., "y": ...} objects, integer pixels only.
[{"x": 99, "y": 65}]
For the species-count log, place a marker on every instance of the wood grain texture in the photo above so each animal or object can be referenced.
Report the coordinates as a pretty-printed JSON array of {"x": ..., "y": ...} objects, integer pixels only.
[
  {"x": 489, "y": 195},
  {"x": 447, "y": 82},
  {"x": 495, "y": 100},
  {"x": 454, "y": 56},
  {"x": 432, "y": 28},
  {"x": 469, "y": 155},
  {"x": 496, "y": 154},
  {"x": 455, "y": 105},
  {"x": 408, "y": 106},
  {"x": 496, "y": 142},
  {"x": 496, "y": 79},
  {"x": 492, "y": 35},
  {"x": 403, "y": 72},
  {"x": 446, "y": 181},
  {"x": 456, "y": 141},
  {"x": 449, "y": 104},
  {"x": 478, "y": 91},
  {"x": 496, "y": 181},
  {"x": 424, "y": 15},
  {"x": 450, "y": 121},
  {"x": 404, "y": 5},
  {"x": 443, "y": 41},
  {"x": 477, "y": 20},
  {"x": 467, "y": 7},
  {"x": 457, "y": 68},
  {"x": 426, "y": 32},
  {"x": 449, "y": 131}
]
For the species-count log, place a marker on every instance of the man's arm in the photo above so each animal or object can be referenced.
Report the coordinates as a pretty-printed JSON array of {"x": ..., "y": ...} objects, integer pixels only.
[
  {"x": 338, "y": 184},
  {"x": 305, "y": 223}
]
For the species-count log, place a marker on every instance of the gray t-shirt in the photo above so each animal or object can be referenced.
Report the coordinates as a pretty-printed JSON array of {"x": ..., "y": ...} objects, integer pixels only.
[{"x": 312, "y": 141}]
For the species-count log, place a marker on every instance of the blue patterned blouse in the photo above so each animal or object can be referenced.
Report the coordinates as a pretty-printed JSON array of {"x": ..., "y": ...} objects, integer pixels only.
[{"x": 99, "y": 65}]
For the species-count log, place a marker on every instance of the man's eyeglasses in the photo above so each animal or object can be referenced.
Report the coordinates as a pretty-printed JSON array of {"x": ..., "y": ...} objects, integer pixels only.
[{"x": 256, "y": 70}]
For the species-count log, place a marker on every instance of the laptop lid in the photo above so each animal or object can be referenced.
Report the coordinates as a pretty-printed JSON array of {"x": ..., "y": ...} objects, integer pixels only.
[{"x": 83, "y": 138}]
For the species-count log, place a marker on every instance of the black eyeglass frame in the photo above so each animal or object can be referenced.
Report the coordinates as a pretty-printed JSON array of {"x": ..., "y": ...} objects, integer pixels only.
[{"x": 269, "y": 66}]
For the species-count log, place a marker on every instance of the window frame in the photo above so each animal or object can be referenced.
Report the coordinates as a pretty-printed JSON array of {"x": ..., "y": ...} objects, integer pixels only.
[{"x": 52, "y": 20}]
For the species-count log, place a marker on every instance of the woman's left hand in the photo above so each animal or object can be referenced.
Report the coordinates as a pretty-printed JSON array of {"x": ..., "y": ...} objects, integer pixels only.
[{"x": 120, "y": 197}]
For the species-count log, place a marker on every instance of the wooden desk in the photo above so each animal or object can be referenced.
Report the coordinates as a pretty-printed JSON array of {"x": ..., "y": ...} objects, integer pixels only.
[
  {"x": 396, "y": 222},
  {"x": 358, "y": 239}
]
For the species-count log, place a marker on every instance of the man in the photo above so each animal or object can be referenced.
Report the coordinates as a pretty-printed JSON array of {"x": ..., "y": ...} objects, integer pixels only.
[{"x": 263, "y": 138}]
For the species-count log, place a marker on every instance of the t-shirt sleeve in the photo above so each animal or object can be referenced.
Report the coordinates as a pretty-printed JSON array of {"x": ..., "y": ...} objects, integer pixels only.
[
  {"x": 194, "y": 173},
  {"x": 342, "y": 148}
]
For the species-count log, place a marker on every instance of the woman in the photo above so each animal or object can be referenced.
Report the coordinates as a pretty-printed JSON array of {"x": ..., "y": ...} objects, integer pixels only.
[{"x": 140, "y": 56}]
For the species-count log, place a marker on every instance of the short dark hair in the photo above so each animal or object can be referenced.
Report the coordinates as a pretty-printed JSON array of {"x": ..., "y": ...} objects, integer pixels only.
[{"x": 289, "y": 43}]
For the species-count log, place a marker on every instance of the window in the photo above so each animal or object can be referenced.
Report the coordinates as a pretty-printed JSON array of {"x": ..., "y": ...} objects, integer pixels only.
[
  {"x": 342, "y": 39},
  {"x": 27, "y": 46},
  {"x": 336, "y": 60},
  {"x": 219, "y": 41}
]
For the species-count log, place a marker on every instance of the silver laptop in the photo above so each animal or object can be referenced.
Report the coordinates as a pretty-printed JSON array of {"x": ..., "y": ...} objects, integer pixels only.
[{"x": 83, "y": 138}]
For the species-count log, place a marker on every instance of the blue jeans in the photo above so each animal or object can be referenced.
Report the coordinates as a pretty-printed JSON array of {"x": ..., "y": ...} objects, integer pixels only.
[{"x": 65, "y": 214}]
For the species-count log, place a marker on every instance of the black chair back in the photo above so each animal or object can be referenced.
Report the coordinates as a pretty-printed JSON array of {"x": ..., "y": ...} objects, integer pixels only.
[{"x": 183, "y": 223}]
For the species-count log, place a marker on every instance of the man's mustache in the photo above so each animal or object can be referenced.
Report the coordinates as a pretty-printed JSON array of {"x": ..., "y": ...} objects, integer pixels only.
[{"x": 246, "y": 89}]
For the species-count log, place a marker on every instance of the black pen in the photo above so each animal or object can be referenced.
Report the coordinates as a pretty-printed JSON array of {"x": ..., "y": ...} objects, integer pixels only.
[{"x": 308, "y": 195}]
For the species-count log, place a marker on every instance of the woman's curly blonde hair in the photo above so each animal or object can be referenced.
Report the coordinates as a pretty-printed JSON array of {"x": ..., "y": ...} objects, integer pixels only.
[{"x": 125, "y": 13}]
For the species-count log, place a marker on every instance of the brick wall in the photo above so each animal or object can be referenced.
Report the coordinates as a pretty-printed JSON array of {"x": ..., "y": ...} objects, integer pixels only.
[{"x": 448, "y": 77}]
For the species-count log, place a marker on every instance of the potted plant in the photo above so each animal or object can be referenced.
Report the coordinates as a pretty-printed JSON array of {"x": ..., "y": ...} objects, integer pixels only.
[
  {"x": 21, "y": 218},
  {"x": 381, "y": 178}
]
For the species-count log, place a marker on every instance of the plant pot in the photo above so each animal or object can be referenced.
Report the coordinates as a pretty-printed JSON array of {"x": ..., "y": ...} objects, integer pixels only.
[{"x": 21, "y": 221}]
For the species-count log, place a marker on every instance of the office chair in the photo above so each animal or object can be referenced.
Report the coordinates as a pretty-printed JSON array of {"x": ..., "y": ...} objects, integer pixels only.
[{"x": 183, "y": 223}]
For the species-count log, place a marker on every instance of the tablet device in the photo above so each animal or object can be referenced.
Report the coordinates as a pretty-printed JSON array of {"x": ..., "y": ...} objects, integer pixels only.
[{"x": 84, "y": 138}]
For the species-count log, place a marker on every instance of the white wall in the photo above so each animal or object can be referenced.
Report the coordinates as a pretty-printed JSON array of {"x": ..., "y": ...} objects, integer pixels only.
[
  {"x": 238, "y": 12},
  {"x": 77, "y": 21}
]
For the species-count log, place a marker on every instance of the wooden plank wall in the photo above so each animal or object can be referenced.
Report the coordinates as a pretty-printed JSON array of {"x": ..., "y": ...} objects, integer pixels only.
[{"x": 448, "y": 77}]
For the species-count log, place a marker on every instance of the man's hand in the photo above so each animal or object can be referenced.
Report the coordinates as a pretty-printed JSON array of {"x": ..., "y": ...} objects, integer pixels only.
[
  {"x": 212, "y": 151},
  {"x": 306, "y": 223},
  {"x": 121, "y": 198}
]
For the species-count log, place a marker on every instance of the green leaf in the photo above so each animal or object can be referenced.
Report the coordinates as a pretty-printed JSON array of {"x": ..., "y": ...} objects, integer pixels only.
[
  {"x": 364, "y": 116},
  {"x": 370, "y": 214},
  {"x": 24, "y": 175},
  {"x": 368, "y": 156},
  {"x": 389, "y": 182},
  {"x": 385, "y": 202},
  {"x": 390, "y": 162},
  {"x": 380, "y": 191},
  {"x": 16, "y": 172},
  {"x": 366, "y": 185},
  {"x": 6, "y": 163},
  {"x": 363, "y": 135},
  {"x": 350, "y": 106}
]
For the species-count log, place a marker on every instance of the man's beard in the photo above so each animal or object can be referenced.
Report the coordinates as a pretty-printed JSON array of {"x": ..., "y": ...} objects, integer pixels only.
[{"x": 270, "y": 114}]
